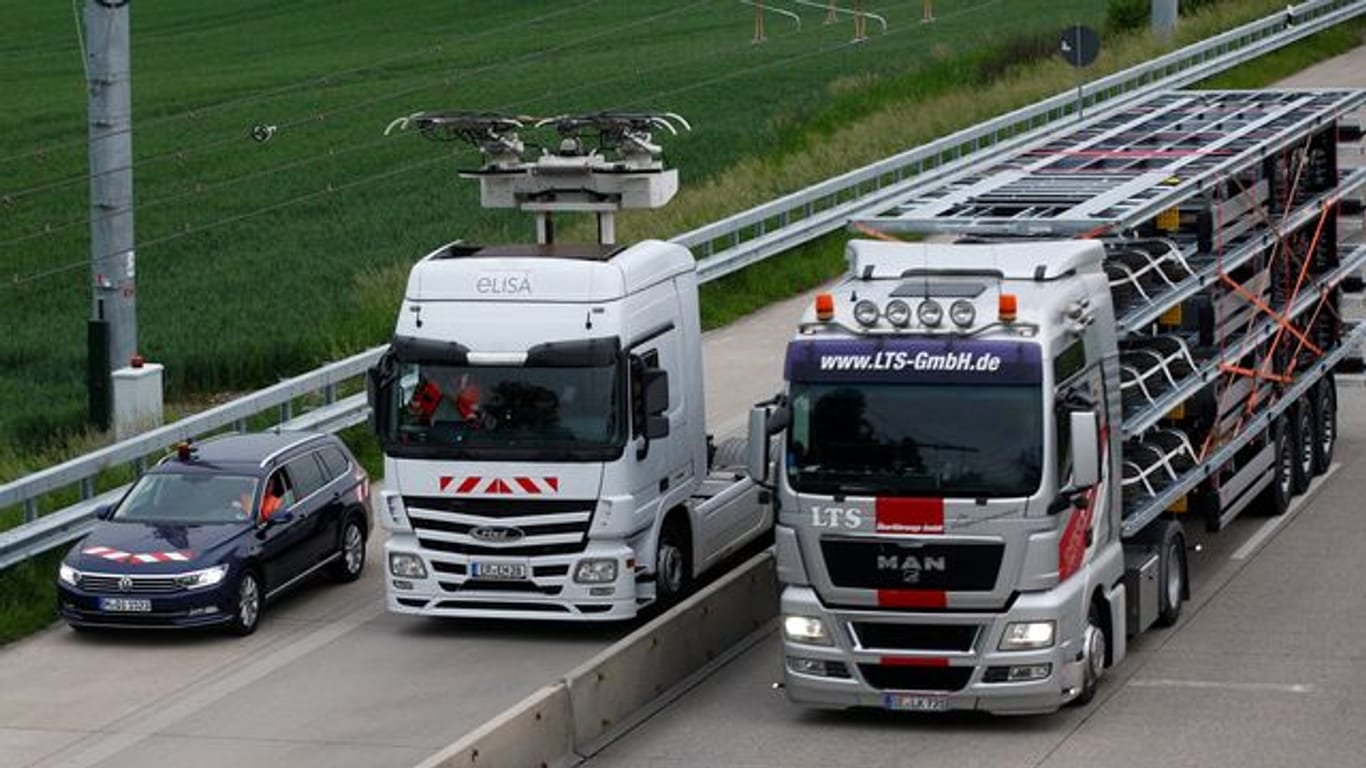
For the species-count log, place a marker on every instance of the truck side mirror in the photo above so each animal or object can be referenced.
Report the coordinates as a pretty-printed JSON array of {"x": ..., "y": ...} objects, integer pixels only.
[
  {"x": 378, "y": 379},
  {"x": 655, "y": 384},
  {"x": 1085, "y": 449},
  {"x": 757, "y": 458}
]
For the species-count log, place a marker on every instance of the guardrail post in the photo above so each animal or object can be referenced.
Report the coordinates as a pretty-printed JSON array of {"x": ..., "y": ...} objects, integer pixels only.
[
  {"x": 329, "y": 394},
  {"x": 140, "y": 466},
  {"x": 87, "y": 488},
  {"x": 240, "y": 425},
  {"x": 286, "y": 411},
  {"x": 30, "y": 510}
]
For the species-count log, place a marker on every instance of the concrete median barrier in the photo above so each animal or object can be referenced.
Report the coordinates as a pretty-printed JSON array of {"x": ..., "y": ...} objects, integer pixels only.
[{"x": 576, "y": 715}]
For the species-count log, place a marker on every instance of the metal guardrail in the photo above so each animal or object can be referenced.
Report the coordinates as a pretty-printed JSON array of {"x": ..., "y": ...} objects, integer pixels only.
[
  {"x": 738, "y": 241},
  {"x": 722, "y": 247}
]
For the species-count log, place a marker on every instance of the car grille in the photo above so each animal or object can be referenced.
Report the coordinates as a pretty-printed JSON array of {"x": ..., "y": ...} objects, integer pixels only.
[
  {"x": 106, "y": 583},
  {"x": 545, "y": 527},
  {"x": 890, "y": 564},
  {"x": 914, "y": 678}
]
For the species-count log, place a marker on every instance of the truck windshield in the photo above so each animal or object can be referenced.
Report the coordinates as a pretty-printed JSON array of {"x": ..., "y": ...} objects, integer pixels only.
[
  {"x": 979, "y": 441},
  {"x": 506, "y": 412}
]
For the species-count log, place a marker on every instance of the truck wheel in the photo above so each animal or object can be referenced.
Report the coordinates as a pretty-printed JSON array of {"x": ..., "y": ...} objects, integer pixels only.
[
  {"x": 1325, "y": 399},
  {"x": 1304, "y": 444},
  {"x": 246, "y": 609},
  {"x": 673, "y": 570},
  {"x": 1275, "y": 498},
  {"x": 1093, "y": 656},
  {"x": 1171, "y": 567}
]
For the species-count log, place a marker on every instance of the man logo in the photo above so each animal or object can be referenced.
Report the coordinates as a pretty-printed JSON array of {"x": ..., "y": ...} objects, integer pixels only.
[
  {"x": 497, "y": 534},
  {"x": 912, "y": 567}
]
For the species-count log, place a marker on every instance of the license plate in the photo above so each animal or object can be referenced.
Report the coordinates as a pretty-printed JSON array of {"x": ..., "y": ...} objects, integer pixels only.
[
  {"x": 916, "y": 702},
  {"x": 125, "y": 604},
  {"x": 498, "y": 571}
]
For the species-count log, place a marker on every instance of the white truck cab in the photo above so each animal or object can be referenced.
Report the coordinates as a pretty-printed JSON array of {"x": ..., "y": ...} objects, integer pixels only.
[{"x": 541, "y": 414}]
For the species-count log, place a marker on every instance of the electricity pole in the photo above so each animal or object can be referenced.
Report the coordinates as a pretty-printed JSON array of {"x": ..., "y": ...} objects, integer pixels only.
[{"x": 113, "y": 336}]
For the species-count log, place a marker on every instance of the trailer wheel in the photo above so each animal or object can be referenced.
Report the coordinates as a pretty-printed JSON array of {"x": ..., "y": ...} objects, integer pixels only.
[
  {"x": 673, "y": 563},
  {"x": 1325, "y": 423},
  {"x": 1171, "y": 567},
  {"x": 1275, "y": 498},
  {"x": 1093, "y": 655},
  {"x": 1305, "y": 441}
]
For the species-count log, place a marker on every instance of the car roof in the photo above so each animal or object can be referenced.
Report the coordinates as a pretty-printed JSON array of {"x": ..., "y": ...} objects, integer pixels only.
[{"x": 247, "y": 453}]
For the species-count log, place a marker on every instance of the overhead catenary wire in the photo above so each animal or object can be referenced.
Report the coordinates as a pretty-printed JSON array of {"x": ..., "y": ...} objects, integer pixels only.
[
  {"x": 311, "y": 81},
  {"x": 294, "y": 122},
  {"x": 19, "y": 280}
]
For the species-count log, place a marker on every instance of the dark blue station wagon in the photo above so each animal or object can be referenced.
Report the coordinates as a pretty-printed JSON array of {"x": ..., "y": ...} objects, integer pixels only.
[{"x": 215, "y": 530}]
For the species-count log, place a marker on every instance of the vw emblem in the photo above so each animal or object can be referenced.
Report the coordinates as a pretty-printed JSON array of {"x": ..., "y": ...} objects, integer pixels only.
[
  {"x": 496, "y": 534},
  {"x": 125, "y": 583}
]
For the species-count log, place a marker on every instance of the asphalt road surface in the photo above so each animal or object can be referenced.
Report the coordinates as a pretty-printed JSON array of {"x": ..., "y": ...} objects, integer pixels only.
[
  {"x": 330, "y": 678},
  {"x": 1267, "y": 666}
]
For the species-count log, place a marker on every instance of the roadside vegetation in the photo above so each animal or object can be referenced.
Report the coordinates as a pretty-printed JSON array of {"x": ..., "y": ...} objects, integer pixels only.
[{"x": 259, "y": 261}]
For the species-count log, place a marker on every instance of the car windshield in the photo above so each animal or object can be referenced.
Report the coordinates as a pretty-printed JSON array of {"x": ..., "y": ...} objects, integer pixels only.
[
  {"x": 188, "y": 498},
  {"x": 979, "y": 441},
  {"x": 557, "y": 413}
]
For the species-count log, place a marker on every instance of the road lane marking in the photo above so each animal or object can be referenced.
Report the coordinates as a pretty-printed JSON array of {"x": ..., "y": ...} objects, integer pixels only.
[
  {"x": 1270, "y": 526},
  {"x": 1162, "y": 682},
  {"x": 104, "y": 745}
]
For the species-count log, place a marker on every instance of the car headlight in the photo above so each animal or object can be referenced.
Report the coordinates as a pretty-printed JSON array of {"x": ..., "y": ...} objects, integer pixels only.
[
  {"x": 598, "y": 570},
  {"x": 805, "y": 629},
  {"x": 407, "y": 565},
  {"x": 200, "y": 579},
  {"x": 68, "y": 575},
  {"x": 1028, "y": 636}
]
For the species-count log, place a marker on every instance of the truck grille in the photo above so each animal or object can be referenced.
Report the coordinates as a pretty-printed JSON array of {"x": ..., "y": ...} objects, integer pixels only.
[
  {"x": 910, "y": 678},
  {"x": 915, "y": 637},
  {"x": 109, "y": 583},
  {"x": 532, "y": 528},
  {"x": 887, "y": 564}
]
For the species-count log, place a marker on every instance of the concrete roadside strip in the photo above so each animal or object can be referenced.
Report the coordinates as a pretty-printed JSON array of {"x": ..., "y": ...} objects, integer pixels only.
[{"x": 578, "y": 714}]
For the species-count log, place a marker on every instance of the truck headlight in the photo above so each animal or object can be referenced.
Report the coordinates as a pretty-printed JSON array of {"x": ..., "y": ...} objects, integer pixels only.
[
  {"x": 68, "y": 575},
  {"x": 805, "y": 629},
  {"x": 596, "y": 570},
  {"x": 1028, "y": 636},
  {"x": 204, "y": 578},
  {"x": 407, "y": 565},
  {"x": 394, "y": 516}
]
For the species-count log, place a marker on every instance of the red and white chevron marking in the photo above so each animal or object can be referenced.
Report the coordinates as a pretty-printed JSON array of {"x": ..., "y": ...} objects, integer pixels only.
[
  {"x": 119, "y": 556},
  {"x": 500, "y": 486}
]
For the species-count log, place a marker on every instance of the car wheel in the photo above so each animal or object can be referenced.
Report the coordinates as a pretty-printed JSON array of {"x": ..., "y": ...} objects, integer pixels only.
[
  {"x": 672, "y": 569},
  {"x": 246, "y": 613},
  {"x": 351, "y": 557}
]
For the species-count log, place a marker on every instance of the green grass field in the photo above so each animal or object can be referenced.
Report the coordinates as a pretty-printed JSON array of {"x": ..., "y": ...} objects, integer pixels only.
[{"x": 256, "y": 261}]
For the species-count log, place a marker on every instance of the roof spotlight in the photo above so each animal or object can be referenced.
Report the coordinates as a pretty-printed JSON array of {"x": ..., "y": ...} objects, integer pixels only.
[
  {"x": 898, "y": 313},
  {"x": 962, "y": 313},
  {"x": 865, "y": 312},
  {"x": 930, "y": 313}
]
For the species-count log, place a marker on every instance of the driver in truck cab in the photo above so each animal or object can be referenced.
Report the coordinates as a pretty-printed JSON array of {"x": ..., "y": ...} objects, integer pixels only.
[{"x": 428, "y": 397}]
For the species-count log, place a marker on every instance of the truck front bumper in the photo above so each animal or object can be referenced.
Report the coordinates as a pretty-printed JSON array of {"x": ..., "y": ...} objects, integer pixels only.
[
  {"x": 963, "y": 670},
  {"x": 548, "y": 593}
]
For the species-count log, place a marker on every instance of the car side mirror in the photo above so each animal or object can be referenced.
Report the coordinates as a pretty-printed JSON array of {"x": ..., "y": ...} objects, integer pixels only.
[{"x": 104, "y": 511}]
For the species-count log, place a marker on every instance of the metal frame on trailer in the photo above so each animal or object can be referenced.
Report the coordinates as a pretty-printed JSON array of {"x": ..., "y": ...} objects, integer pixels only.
[{"x": 1232, "y": 195}]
